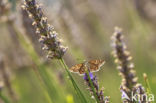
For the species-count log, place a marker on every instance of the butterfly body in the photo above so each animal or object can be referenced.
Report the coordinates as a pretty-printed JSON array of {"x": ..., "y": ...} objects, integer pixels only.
[{"x": 92, "y": 66}]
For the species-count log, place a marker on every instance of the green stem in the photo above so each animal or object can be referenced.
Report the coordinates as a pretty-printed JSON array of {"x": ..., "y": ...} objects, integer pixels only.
[
  {"x": 92, "y": 87},
  {"x": 42, "y": 83},
  {"x": 5, "y": 100},
  {"x": 80, "y": 94},
  {"x": 148, "y": 86},
  {"x": 26, "y": 44}
]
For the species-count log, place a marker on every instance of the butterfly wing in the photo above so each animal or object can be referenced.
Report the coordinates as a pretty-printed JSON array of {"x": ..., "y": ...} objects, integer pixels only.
[
  {"x": 75, "y": 68},
  {"x": 82, "y": 69},
  {"x": 78, "y": 68},
  {"x": 94, "y": 65}
]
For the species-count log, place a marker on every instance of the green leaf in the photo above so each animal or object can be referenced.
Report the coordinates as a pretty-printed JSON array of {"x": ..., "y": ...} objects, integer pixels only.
[
  {"x": 4, "y": 99},
  {"x": 78, "y": 91}
]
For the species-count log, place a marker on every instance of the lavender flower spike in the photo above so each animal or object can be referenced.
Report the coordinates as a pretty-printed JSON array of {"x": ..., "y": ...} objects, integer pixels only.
[
  {"x": 129, "y": 82},
  {"x": 99, "y": 92},
  {"x": 48, "y": 37}
]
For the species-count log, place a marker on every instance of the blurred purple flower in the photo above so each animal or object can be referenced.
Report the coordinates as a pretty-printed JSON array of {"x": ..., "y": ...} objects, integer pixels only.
[{"x": 86, "y": 76}]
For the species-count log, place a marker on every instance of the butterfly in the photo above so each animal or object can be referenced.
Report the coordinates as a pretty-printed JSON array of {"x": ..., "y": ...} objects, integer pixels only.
[{"x": 92, "y": 66}]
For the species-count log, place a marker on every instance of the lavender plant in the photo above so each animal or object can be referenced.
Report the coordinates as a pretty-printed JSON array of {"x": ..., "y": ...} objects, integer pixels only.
[
  {"x": 49, "y": 38},
  {"x": 123, "y": 58},
  {"x": 129, "y": 82},
  {"x": 38, "y": 67},
  {"x": 52, "y": 44},
  {"x": 93, "y": 86},
  {"x": 30, "y": 32}
]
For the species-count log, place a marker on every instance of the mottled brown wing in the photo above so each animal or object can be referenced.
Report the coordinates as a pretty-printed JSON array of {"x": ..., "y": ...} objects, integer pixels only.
[
  {"x": 94, "y": 65},
  {"x": 78, "y": 68}
]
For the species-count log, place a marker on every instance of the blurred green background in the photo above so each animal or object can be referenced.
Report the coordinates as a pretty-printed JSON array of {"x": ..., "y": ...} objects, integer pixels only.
[{"x": 85, "y": 26}]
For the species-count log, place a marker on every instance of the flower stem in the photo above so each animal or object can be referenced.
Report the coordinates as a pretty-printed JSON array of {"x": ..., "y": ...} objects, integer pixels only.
[
  {"x": 147, "y": 84},
  {"x": 5, "y": 100},
  {"x": 92, "y": 87},
  {"x": 78, "y": 91}
]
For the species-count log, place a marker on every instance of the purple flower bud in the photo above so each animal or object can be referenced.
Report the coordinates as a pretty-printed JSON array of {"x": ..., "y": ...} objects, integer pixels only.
[{"x": 86, "y": 76}]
